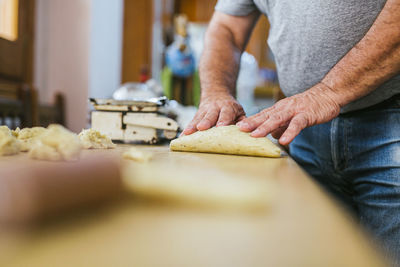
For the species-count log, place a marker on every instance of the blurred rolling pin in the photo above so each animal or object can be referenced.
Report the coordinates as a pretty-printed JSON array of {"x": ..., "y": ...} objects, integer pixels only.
[{"x": 37, "y": 191}]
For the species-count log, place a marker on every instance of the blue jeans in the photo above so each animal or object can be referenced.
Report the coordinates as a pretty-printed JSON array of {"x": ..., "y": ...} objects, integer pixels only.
[{"x": 356, "y": 156}]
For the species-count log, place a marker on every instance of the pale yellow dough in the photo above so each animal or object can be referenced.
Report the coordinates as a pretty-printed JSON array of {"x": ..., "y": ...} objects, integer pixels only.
[
  {"x": 28, "y": 137},
  {"x": 9, "y": 145},
  {"x": 91, "y": 138},
  {"x": 5, "y": 129},
  {"x": 226, "y": 140},
  {"x": 137, "y": 155},
  {"x": 15, "y": 132},
  {"x": 56, "y": 144}
]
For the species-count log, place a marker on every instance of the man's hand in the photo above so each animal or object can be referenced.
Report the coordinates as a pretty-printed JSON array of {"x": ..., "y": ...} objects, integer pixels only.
[
  {"x": 216, "y": 109},
  {"x": 289, "y": 116},
  {"x": 225, "y": 40}
]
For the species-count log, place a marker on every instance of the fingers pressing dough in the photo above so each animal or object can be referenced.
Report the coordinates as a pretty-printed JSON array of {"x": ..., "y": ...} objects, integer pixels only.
[{"x": 226, "y": 140}]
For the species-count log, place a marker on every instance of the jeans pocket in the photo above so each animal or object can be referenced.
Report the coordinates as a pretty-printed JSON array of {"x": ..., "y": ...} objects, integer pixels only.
[
  {"x": 394, "y": 102},
  {"x": 397, "y": 101}
]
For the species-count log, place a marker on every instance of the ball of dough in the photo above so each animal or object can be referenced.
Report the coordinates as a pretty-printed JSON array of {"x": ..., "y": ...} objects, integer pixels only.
[
  {"x": 55, "y": 144},
  {"x": 5, "y": 129},
  {"x": 29, "y": 136},
  {"x": 91, "y": 138},
  {"x": 9, "y": 145}
]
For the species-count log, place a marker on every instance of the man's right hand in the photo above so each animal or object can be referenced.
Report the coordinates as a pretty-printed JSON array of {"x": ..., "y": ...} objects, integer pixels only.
[{"x": 218, "y": 109}]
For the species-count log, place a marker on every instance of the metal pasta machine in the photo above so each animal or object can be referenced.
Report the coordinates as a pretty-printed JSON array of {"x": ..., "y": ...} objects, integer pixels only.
[{"x": 133, "y": 121}]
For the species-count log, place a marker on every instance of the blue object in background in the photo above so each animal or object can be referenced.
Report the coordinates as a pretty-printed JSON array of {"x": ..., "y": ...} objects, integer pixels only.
[
  {"x": 180, "y": 59},
  {"x": 269, "y": 75}
]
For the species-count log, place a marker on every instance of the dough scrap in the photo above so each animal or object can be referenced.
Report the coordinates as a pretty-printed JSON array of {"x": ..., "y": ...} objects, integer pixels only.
[
  {"x": 28, "y": 137},
  {"x": 9, "y": 145},
  {"x": 15, "y": 132},
  {"x": 91, "y": 138},
  {"x": 5, "y": 129},
  {"x": 56, "y": 144},
  {"x": 226, "y": 140},
  {"x": 137, "y": 155}
]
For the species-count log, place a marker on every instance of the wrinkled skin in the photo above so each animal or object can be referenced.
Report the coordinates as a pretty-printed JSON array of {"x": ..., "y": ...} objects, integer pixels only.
[
  {"x": 219, "y": 109},
  {"x": 288, "y": 117}
]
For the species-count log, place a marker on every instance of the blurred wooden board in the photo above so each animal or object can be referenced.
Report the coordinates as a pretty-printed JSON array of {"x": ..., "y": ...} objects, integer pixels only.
[{"x": 303, "y": 227}]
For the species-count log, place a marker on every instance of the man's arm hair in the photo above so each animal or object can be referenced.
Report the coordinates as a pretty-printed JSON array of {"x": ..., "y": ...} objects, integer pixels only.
[
  {"x": 374, "y": 60},
  {"x": 225, "y": 40}
]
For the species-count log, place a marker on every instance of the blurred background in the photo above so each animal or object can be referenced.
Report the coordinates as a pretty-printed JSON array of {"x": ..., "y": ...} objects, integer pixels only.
[{"x": 55, "y": 54}]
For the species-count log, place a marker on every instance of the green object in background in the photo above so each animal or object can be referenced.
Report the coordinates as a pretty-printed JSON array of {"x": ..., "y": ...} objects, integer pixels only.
[
  {"x": 196, "y": 88},
  {"x": 167, "y": 81}
]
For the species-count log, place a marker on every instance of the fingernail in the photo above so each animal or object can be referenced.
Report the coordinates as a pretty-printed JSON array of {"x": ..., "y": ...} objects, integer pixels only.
[
  {"x": 256, "y": 132},
  {"x": 283, "y": 140},
  {"x": 243, "y": 124}
]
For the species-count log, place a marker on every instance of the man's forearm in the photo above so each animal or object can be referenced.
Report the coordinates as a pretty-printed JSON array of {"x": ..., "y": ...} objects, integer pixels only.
[
  {"x": 219, "y": 63},
  {"x": 374, "y": 60},
  {"x": 226, "y": 39}
]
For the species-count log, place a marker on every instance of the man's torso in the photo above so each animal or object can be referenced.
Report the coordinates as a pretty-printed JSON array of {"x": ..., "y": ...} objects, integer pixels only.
[{"x": 308, "y": 37}]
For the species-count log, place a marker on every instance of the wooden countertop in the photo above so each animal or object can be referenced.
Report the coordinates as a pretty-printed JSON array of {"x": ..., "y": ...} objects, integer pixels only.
[{"x": 303, "y": 226}]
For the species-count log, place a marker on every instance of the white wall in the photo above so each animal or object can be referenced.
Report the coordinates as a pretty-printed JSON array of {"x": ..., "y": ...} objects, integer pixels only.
[
  {"x": 62, "y": 55},
  {"x": 105, "y": 47}
]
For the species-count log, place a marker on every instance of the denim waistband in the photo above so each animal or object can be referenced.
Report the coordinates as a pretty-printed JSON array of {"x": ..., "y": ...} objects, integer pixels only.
[{"x": 391, "y": 103}]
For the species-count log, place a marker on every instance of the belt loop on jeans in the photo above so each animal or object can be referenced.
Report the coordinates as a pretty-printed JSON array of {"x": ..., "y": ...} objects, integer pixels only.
[{"x": 334, "y": 139}]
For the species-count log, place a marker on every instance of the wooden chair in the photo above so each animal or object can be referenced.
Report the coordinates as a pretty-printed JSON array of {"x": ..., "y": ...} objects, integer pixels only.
[
  {"x": 16, "y": 105},
  {"x": 48, "y": 114},
  {"x": 19, "y": 107}
]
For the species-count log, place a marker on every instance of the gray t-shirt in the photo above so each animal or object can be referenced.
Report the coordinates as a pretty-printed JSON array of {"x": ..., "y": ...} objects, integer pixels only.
[{"x": 308, "y": 37}]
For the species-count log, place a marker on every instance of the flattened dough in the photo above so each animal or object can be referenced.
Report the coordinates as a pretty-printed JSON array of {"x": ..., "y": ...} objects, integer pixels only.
[
  {"x": 91, "y": 138},
  {"x": 9, "y": 145},
  {"x": 28, "y": 137},
  {"x": 226, "y": 140},
  {"x": 56, "y": 144}
]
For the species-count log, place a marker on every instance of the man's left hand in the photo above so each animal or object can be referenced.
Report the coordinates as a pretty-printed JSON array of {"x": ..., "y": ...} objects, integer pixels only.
[{"x": 289, "y": 116}]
